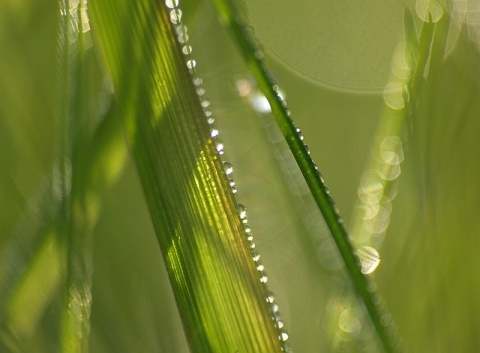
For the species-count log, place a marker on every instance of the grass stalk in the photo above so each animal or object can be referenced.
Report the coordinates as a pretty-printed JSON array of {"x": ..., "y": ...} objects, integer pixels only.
[
  {"x": 217, "y": 287},
  {"x": 250, "y": 49}
]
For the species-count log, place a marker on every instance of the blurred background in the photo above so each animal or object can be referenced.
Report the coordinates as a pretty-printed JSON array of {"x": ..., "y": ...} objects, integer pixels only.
[{"x": 407, "y": 187}]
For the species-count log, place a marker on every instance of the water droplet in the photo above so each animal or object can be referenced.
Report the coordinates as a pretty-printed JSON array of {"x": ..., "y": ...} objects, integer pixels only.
[
  {"x": 371, "y": 188},
  {"x": 214, "y": 133},
  {"x": 219, "y": 146},
  {"x": 171, "y": 4},
  {"x": 393, "y": 95},
  {"x": 299, "y": 132},
  {"x": 348, "y": 322},
  {"x": 201, "y": 91},
  {"x": 228, "y": 168},
  {"x": 307, "y": 148},
  {"x": 380, "y": 222},
  {"x": 197, "y": 81},
  {"x": 260, "y": 268},
  {"x": 187, "y": 49},
  {"x": 391, "y": 150},
  {"x": 427, "y": 8},
  {"x": 275, "y": 308},
  {"x": 183, "y": 38},
  {"x": 248, "y": 230},
  {"x": 252, "y": 245},
  {"x": 205, "y": 103},
  {"x": 389, "y": 171},
  {"x": 280, "y": 324},
  {"x": 263, "y": 279},
  {"x": 283, "y": 336},
  {"x": 176, "y": 16},
  {"x": 256, "y": 257},
  {"x": 234, "y": 189},
  {"x": 242, "y": 211},
  {"x": 191, "y": 64},
  {"x": 259, "y": 103},
  {"x": 270, "y": 298},
  {"x": 369, "y": 259}
]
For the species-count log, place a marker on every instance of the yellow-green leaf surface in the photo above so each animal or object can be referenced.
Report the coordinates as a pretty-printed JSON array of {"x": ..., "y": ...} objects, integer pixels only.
[{"x": 217, "y": 287}]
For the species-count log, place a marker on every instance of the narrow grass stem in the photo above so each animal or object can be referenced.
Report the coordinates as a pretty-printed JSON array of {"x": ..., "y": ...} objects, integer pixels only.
[{"x": 253, "y": 56}]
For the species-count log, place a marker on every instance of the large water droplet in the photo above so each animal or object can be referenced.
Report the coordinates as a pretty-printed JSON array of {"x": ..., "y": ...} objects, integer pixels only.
[{"x": 369, "y": 259}]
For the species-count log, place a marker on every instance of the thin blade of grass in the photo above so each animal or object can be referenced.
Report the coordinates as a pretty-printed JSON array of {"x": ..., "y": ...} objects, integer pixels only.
[
  {"x": 253, "y": 56},
  {"x": 217, "y": 287}
]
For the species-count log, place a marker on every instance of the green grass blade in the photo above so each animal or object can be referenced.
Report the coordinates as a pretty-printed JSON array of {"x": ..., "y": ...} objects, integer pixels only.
[
  {"x": 217, "y": 287},
  {"x": 249, "y": 48}
]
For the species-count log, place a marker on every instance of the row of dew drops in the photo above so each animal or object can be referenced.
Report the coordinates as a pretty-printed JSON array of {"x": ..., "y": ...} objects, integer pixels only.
[{"x": 181, "y": 29}]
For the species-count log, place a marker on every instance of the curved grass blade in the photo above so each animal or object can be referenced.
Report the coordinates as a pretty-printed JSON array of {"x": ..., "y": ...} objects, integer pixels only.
[
  {"x": 217, "y": 287},
  {"x": 253, "y": 56}
]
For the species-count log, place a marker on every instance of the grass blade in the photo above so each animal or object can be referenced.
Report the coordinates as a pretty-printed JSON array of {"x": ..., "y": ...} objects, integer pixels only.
[
  {"x": 217, "y": 287},
  {"x": 253, "y": 56}
]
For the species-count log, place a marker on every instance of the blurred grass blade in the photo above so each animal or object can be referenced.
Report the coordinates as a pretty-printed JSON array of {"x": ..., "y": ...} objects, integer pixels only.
[
  {"x": 378, "y": 185},
  {"x": 217, "y": 287},
  {"x": 249, "y": 48},
  {"x": 51, "y": 243}
]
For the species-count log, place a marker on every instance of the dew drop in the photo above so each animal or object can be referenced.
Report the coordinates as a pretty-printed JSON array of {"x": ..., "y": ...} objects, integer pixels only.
[
  {"x": 263, "y": 279},
  {"x": 259, "y": 103},
  {"x": 231, "y": 182},
  {"x": 219, "y": 146},
  {"x": 256, "y": 257},
  {"x": 201, "y": 91},
  {"x": 280, "y": 324},
  {"x": 228, "y": 168},
  {"x": 348, "y": 322},
  {"x": 393, "y": 95},
  {"x": 171, "y": 4},
  {"x": 197, "y": 81},
  {"x": 284, "y": 336},
  {"x": 248, "y": 230},
  {"x": 369, "y": 259},
  {"x": 252, "y": 245},
  {"x": 242, "y": 211},
  {"x": 260, "y": 268},
  {"x": 183, "y": 38},
  {"x": 299, "y": 132},
  {"x": 270, "y": 298},
  {"x": 391, "y": 150},
  {"x": 191, "y": 64},
  {"x": 214, "y": 133},
  {"x": 205, "y": 103},
  {"x": 176, "y": 16},
  {"x": 187, "y": 49},
  {"x": 427, "y": 8},
  {"x": 275, "y": 308}
]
